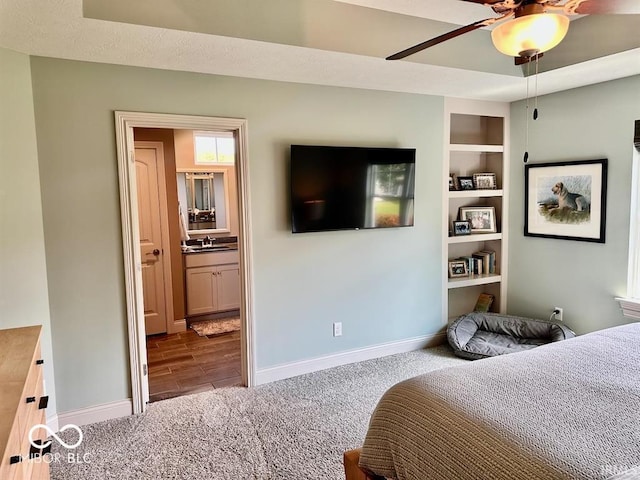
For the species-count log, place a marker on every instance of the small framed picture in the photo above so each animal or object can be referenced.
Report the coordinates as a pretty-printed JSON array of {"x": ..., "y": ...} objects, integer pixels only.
[
  {"x": 458, "y": 268},
  {"x": 485, "y": 181},
  {"x": 453, "y": 181},
  {"x": 482, "y": 219},
  {"x": 461, "y": 227},
  {"x": 466, "y": 183}
]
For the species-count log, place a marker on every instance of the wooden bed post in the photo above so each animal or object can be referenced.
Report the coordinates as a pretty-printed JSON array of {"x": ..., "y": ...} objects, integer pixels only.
[{"x": 351, "y": 469}]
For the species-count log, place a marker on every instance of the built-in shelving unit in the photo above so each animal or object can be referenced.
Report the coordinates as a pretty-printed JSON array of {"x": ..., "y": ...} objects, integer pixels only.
[{"x": 476, "y": 141}]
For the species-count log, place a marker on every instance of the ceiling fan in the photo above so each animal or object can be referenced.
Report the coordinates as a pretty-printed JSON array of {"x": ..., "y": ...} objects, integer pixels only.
[{"x": 529, "y": 27}]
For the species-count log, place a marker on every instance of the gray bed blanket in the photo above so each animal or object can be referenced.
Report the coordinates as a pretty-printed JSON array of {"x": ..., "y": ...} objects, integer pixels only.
[{"x": 567, "y": 410}]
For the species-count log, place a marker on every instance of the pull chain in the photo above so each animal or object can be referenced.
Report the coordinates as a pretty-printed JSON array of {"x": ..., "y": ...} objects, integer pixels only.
[
  {"x": 526, "y": 114},
  {"x": 535, "y": 110}
]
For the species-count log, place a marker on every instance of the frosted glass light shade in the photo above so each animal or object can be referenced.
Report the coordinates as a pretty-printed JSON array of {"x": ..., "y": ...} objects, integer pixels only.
[{"x": 530, "y": 34}]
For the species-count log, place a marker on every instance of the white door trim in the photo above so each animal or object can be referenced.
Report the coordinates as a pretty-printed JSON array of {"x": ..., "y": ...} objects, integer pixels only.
[{"x": 125, "y": 122}]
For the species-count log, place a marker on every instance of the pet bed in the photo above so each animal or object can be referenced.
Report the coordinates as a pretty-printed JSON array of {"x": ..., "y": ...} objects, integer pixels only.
[{"x": 479, "y": 335}]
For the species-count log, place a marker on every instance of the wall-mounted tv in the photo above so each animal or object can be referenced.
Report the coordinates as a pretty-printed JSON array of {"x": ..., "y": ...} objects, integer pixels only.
[{"x": 351, "y": 188}]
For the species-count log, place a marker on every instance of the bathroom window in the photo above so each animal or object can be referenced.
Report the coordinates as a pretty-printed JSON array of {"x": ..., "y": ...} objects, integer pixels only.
[{"x": 214, "y": 148}]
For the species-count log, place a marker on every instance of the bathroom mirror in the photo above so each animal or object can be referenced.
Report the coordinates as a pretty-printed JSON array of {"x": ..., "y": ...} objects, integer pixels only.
[{"x": 204, "y": 197}]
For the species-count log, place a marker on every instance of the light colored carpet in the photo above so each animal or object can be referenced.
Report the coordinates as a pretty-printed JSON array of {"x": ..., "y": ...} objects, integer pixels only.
[
  {"x": 216, "y": 327},
  {"x": 293, "y": 429}
]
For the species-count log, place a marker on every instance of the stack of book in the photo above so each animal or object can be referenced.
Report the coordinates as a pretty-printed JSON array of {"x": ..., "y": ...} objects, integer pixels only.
[
  {"x": 481, "y": 263},
  {"x": 484, "y": 302}
]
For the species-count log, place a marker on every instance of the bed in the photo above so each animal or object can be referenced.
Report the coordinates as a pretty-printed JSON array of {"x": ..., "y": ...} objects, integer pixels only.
[{"x": 566, "y": 410}]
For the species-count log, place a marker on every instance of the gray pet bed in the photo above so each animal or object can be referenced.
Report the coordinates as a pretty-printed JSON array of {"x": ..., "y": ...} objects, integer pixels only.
[{"x": 479, "y": 335}]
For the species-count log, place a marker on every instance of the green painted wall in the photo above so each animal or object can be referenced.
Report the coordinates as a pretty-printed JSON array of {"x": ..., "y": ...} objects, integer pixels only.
[
  {"x": 586, "y": 123},
  {"x": 23, "y": 280},
  {"x": 383, "y": 285}
]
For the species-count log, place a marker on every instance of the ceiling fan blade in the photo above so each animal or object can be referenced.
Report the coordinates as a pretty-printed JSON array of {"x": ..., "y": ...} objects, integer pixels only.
[
  {"x": 603, "y": 7},
  {"x": 439, "y": 39}
]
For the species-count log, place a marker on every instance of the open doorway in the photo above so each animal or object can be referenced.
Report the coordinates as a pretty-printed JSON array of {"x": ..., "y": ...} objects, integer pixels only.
[{"x": 207, "y": 257}]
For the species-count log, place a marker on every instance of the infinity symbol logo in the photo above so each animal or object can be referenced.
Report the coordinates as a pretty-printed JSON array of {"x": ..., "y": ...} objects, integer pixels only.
[{"x": 53, "y": 434}]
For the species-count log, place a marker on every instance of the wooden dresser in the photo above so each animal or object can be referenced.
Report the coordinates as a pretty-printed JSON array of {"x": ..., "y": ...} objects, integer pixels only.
[{"x": 22, "y": 404}]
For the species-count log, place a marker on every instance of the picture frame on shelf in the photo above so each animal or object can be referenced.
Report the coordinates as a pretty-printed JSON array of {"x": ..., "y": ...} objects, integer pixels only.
[
  {"x": 482, "y": 219},
  {"x": 461, "y": 227},
  {"x": 466, "y": 183},
  {"x": 485, "y": 181},
  {"x": 566, "y": 200},
  {"x": 458, "y": 268},
  {"x": 453, "y": 182}
]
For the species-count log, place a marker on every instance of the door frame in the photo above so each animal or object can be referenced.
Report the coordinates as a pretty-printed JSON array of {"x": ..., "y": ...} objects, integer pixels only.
[
  {"x": 167, "y": 284},
  {"x": 125, "y": 122}
]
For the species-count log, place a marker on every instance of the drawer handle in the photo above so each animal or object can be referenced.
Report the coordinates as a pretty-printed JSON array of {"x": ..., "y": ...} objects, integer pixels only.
[
  {"x": 44, "y": 402},
  {"x": 15, "y": 459},
  {"x": 35, "y": 451},
  {"x": 40, "y": 361},
  {"x": 31, "y": 399}
]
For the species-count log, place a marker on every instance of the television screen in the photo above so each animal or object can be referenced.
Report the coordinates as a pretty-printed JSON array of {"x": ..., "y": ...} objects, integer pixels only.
[{"x": 347, "y": 188}]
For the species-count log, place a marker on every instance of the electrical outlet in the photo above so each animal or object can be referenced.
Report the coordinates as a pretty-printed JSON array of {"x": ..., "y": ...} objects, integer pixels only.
[
  {"x": 558, "y": 316},
  {"x": 337, "y": 329}
]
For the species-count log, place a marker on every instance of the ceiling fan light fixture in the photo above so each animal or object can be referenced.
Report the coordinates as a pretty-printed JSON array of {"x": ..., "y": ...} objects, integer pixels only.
[{"x": 529, "y": 35}]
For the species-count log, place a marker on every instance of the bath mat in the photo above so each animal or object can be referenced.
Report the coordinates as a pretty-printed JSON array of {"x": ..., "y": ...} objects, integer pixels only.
[{"x": 216, "y": 327}]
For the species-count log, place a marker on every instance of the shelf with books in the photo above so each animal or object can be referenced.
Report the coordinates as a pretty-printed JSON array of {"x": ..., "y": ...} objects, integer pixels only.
[
  {"x": 476, "y": 146},
  {"x": 471, "y": 280}
]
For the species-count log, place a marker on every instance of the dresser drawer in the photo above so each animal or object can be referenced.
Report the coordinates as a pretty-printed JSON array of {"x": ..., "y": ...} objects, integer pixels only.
[
  {"x": 21, "y": 372},
  {"x": 15, "y": 471}
]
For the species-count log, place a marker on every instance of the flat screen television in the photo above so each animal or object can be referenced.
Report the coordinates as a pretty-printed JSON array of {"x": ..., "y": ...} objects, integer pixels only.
[{"x": 351, "y": 188}]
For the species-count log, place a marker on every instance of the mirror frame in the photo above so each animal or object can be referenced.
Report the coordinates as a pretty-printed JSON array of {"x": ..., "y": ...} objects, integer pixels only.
[{"x": 225, "y": 182}]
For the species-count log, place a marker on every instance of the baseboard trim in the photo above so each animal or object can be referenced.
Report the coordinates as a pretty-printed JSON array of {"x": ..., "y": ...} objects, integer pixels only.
[
  {"x": 96, "y": 413},
  {"x": 52, "y": 423},
  {"x": 293, "y": 369},
  {"x": 178, "y": 326}
]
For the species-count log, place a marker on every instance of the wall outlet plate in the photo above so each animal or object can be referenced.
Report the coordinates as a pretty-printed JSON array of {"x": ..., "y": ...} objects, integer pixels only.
[
  {"x": 558, "y": 316},
  {"x": 337, "y": 329}
]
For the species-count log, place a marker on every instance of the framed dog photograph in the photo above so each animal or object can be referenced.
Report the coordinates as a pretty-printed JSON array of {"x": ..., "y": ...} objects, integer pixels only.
[
  {"x": 466, "y": 183},
  {"x": 458, "y": 268},
  {"x": 485, "y": 181},
  {"x": 461, "y": 227},
  {"x": 481, "y": 219},
  {"x": 566, "y": 200}
]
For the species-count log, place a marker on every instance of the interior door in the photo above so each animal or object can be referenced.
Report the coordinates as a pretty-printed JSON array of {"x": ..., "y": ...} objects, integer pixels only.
[{"x": 151, "y": 254}]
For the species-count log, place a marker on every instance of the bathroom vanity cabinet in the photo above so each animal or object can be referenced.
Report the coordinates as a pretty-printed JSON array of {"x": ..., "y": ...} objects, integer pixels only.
[{"x": 212, "y": 281}]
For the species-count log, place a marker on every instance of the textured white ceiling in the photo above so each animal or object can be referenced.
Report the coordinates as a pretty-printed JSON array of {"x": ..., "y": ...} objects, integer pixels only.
[{"x": 56, "y": 28}]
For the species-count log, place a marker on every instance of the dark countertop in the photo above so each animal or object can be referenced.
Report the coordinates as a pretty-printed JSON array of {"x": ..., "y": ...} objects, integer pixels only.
[{"x": 229, "y": 247}]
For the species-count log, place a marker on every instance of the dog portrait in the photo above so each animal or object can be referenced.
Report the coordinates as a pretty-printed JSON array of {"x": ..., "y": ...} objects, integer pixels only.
[
  {"x": 569, "y": 200},
  {"x": 566, "y": 200}
]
